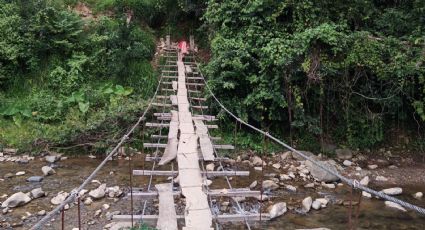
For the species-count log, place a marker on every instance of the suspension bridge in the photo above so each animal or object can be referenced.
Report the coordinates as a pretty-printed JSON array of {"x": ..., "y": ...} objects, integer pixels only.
[{"x": 183, "y": 145}]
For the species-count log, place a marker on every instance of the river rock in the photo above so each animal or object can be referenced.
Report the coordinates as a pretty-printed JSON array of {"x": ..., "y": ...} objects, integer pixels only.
[
  {"x": 88, "y": 201},
  {"x": 418, "y": 195},
  {"x": 316, "y": 205},
  {"x": 257, "y": 161},
  {"x": 309, "y": 185},
  {"x": 109, "y": 215},
  {"x": 306, "y": 203},
  {"x": 51, "y": 159},
  {"x": 312, "y": 229},
  {"x": 323, "y": 202},
  {"x": 344, "y": 154},
  {"x": 41, "y": 213},
  {"x": 347, "y": 163},
  {"x": 381, "y": 178},
  {"x": 393, "y": 191},
  {"x": 15, "y": 200},
  {"x": 320, "y": 174},
  {"x": 99, "y": 192},
  {"x": 291, "y": 188},
  {"x": 58, "y": 199},
  {"x": 298, "y": 157},
  {"x": 210, "y": 167},
  {"x": 269, "y": 184},
  {"x": 47, "y": 170},
  {"x": 20, "y": 173},
  {"x": 276, "y": 166},
  {"x": 394, "y": 205},
  {"x": 284, "y": 177},
  {"x": 105, "y": 206},
  {"x": 366, "y": 194},
  {"x": 277, "y": 209},
  {"x": 372, "y": 167},
  {"x": 364, "y": 181},
  {"x": 10, "y": 151},
  {"x": 114, "y": 191},
  {"x": 37, "y": 193},
  {"x": 253, "y": 184},
  {"x": 35, "y": 179},
  {"x": 331, "y": 186},
  {"x": 285, "y": 155},
  {"x": 97, "y": 213},
  {"x": 9, "y": 175}
]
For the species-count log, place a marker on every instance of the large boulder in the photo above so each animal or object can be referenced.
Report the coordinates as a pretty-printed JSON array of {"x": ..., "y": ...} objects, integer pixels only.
[
  {"x": 99, "y": 192},
  {"x": 319, "y": 173},
  {"x": 344, "y": 154},
  {"x": 298, "y": 157},
  {"x": 17, "y": 199},
  {"x": 277, "y": 209}
]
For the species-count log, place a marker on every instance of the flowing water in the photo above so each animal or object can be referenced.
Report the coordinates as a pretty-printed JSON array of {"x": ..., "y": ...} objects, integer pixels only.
[{"x": 71, "y": 172}]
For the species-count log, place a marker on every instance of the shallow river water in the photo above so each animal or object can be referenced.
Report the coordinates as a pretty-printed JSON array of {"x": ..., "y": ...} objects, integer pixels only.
[{"x": 71, "y": 172}]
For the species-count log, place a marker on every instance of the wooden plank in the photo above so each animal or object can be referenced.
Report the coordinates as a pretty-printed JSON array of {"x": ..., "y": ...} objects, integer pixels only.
[
  {"x": 161, "y": 104},
  {"x": 167, "y": 218},
  {"x": 220, "y": 218},
  {"x": 241, "y": 192},
  {"x": 199, "y": 106},
  {"x": 188, "y": 69},
  {"x": 161, "y": 145},
  {"x": 193, "y": 91},
  {"x": 164, "y": 136},
  {"x": 174, "y": 85},
  {"x": 170, "y": 151},
  {"x": 206, "y": 148},
  {"x": 157, "y": 159},
  {"x": 157, "y": 125},
  {"x": 137, "y": 172},
  {"x": 198, "y": 98}
]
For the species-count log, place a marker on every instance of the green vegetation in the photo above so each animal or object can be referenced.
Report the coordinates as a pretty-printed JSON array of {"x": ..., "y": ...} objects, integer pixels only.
[
  {"x": 321, "y": 71},
  {"x": 64, "y": 79}
]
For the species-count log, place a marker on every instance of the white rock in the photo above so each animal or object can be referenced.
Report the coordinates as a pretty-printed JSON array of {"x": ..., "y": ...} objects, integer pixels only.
[
  {"x": 257, "y": 161},
  {"x": 366, "y": 194},
  {"x": 291, "y": 175},
  {"x": 88, "y": 201},
  {"x": 98, "y": 212},
  {"x": 105, "y": 206},
  {"x": 331, "y": 186},
  {"x": 210, "y": 167},
  {"x": 393, "y": 191},
  {"x": 276, "y": 166},
  {"x": 358, "y": 168},
  {"x": 99, "y": 192},
  {"x": 15, "y": 200},
  {"x": 96, "y": 182},
  {"x": 51, "y": 159},
  {"x": 381, "y": 178},
  {"x": 207, "y": 182},
  {"x": 291, "y": 188},
  {"x": 83, "y": 192},
  {"x": 47, "y": 170},
  {"x": 418, "y": 195},
  {"x": 394, "y": 205},
  {"x": 258, "y": 168},
  {"x": 59, "y": 198},
  {"x": 20, "y": 173},
  {"x": 372, "y": 167},
  {"x": 284, "y": 177},
  {"x": 364, "y": 181},
  {"x": 306, "y": 203},
  {"x": 323, "y": 202},
  {"x": 309, "y": 185},
  {"x": 41, "y": 213},
  {"x": 114, "y": 191},
  {"x": 37, "y": 193},
  {"x": 347, "y": 163},
  {"x": 269, "y": 184},
  {"x": 277, "y": 209},
  {"x": 253, "y": 184},
  {"x": 316, "y": 205}
]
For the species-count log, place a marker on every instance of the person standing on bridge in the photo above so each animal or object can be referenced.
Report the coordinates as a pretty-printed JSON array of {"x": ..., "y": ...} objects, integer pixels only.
[{"x": 183, "y": 47}]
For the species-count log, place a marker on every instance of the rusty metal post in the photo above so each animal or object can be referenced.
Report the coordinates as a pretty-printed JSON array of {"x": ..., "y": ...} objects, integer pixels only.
[
  {"x": 234, "y": 144},
  {"x": 63, "y": 218},
  {"x": 131, "y": 190},
  {"x": 79, "y": 212},
  {"x": 350, "y": 226},
  {"x": 358, "y": 210}
]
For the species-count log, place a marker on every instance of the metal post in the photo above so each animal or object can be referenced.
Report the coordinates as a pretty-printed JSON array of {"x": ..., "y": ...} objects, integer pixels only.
[
  {"x": 79, "y": 213},
  {"x": 358, "y": 210},
  {"x": 63, "y": 218},
  {"x": 350, "y": 226},
  {"x": 131, "y": 190}
]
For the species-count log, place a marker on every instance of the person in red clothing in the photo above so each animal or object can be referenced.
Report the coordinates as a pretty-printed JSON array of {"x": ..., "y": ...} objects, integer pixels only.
[{"x": 184, "y": 47}]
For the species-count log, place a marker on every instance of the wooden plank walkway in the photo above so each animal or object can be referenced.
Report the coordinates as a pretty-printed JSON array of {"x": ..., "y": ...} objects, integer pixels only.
[
  {"x": 167, "y": 218},
  {"x": 170, "y": 151}
]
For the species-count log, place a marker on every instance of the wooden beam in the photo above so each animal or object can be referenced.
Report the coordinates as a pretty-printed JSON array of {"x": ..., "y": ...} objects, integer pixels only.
[
  {"x": 198, "y": 98},
  {"x": 159, "y": 145},
  {"x": 241, "y": 192},
  {"x": 167, "y": 218},
  {"x": 149, "y": 124},
  {"x": 161, "y": 105},
  {"x": 157, "y": 159},
  {"x": 250, "y": 217},
  {"x": 174, "y": 173},
  {"x": 165, "y": 137},
  {"x": 199, "y": 106}
]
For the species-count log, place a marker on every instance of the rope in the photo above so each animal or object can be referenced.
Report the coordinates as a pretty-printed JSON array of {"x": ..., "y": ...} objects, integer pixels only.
[
  {"x": 346, "y": 180},
  {"x": 74, "y": 193}
]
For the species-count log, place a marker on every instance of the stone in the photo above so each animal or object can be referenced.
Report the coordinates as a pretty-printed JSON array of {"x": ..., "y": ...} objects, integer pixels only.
[
  {"x": 291, "y": 188},
  {"x": 316, "y": 205},
  {"x": 22, "y": 161},
  {"x": 208, "y": 182},
  {"x": 323, "y": 202},
  {"x": 269, "y": 184},
  {"x": 364, "y": 181},
  {"x": 285, "y": 155},
  {"x": 9, "y": 151},
  {"x": 395, "y": 206},
  {"x": 372, "y": 167},
  {"x": 330, "y": 186},
  {"x": 284, "y": 177},
  {"x": 114, "y": 191},
  {"x": 5, "y": 211},
  {"x": 210, "y": 167},
  {"x": 253, "y": 184},
  {"x": 300, "y": 158},
  {"x": 15, "y": 200},
  {"x": 35, "y": 179},
  {"x": 276, "y": 166},
  {"x": 109, "y": 215},
  {"x": 41, "y": 213},
  {"x": 105, "y": 206},
  {"x": 418, "y": 195},
  {"x": 347, "y": 163},
  {"x": 277, "y": 210},
  {"x": 309, "y": 185},
  {"x": 20, "y": 173},
  {"x": 47, "y": 170},
  {"x": 58, "y": 199},
  {"x": 366, "y": 194},
  {"x": 37, "y": 193},
  {"x": 88, "y": 201},
  {"x": 258, "y": 168},
  {"x": 393, "y": 191},
  {"x": 344, "y": 154},
  {"x": 358, "y": 168},
  {"x": 313, "y": 229},
  {"x": 51, "y": 159},
  {"x": 381, "y": 178},
  {"x": 320, "y": 174},
  {"x": 98, "y": 212},
  {"x": 306, "y": 203},
  {"x": 257, "y": 161},
  {"x": 9, "y": 175},
  {"x": 99, "y": 192}
]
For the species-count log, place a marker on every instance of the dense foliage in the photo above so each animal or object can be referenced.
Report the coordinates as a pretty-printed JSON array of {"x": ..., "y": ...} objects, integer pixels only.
[
  {"x": 322, "y": 70},
  {"x": 64, "y": 78}
]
